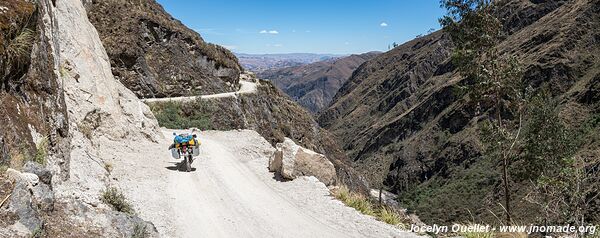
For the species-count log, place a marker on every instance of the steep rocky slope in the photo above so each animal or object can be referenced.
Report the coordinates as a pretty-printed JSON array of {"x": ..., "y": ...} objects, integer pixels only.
[
  {"x": 402, "y": 122},
  {"x": 314, "y": 85},
  {"x": 62, "y": 108},
  {"x": 155, "y": 55}
]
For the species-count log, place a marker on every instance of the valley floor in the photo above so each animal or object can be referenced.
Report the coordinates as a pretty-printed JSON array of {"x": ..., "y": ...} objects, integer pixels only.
[{"x": 230, "y": 193}]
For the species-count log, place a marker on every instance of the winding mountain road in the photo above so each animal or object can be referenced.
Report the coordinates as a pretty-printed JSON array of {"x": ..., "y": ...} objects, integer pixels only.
[
  {"x": 245, "y": 87},
  {"x": 231, "y": 193}
]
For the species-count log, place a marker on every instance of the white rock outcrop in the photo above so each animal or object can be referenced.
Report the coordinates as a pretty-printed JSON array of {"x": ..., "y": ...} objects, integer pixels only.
[
  {"x": 29, "y": 178},
  {"x": 101, "y": 110},
  {"x": 291, "y": 161}
]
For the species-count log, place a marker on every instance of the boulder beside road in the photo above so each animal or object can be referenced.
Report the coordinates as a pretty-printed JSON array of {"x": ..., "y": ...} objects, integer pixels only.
[{"x": 291, "y": 161}]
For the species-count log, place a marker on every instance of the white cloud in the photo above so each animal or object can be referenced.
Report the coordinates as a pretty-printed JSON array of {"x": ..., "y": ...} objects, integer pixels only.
[
  {"x": 383, "y": 24},
  {"x": 346, "y": 43},
  {"x": 272, "y": 32},
  {"x": 278, "y": 45}
]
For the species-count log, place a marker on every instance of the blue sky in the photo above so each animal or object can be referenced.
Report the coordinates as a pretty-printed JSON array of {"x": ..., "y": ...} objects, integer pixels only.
[{"x": 306, "y": 26}]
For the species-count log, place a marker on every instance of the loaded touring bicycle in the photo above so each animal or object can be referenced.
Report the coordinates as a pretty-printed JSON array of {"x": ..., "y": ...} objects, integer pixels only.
[{"x": 185, "y": 145}]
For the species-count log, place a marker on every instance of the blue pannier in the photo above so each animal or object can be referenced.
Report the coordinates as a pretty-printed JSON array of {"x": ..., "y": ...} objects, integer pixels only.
[{"x": 184, "y": 138}]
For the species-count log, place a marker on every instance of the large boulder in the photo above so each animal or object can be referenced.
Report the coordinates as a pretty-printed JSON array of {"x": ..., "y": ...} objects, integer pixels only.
[{"x": 291, "y": 161}]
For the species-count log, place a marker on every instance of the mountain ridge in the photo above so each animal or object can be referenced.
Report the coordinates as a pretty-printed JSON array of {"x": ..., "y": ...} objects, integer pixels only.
[
  {"x": 314, "y": 85},
  {"x": 401, "y": 122}
]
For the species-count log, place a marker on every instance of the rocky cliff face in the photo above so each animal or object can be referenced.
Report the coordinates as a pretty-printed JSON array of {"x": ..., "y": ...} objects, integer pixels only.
[
  {"x": 64, "y": 108},
  {"x": 155, "y": 55},
  {"x": 401, "y": 121},
  {"x": 314, "y": 85},
  {"x": 33, "y": 112},
  {"x": 32, "y": 102}
]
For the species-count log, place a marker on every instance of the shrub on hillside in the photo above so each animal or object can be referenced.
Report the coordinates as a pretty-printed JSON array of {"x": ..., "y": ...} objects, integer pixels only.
[
  {"x": 177, "y": 115},
  {"x": 113, "y": 197}
]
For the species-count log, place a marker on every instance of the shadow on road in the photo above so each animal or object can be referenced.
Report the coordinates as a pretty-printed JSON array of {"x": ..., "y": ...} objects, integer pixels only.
[
  {"x": 277, "y": 176},
  {"x": 178, "y": 167}
]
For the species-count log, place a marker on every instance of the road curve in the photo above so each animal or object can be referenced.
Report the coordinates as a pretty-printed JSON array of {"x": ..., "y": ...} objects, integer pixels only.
[{"x": 245, "y": 87}]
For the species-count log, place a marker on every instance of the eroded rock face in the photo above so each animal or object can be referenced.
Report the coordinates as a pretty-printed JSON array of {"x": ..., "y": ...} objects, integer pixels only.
[
  {"x": 69, "y": 97},
  {"x": 100, "y": 107},
  {"x": 155, "y": 55},
  {"x": 291, "y": 161}
]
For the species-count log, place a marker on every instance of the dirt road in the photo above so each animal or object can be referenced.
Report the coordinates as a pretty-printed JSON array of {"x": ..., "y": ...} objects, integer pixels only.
[
  {"x": 245, "y": 87},
  {"x": 230, "y": 193}
]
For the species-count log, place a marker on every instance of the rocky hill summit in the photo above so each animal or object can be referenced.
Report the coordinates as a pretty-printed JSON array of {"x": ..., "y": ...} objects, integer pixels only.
[
  {"x": 314, "y": 85},
  {"x": 155, "y": 55},
  {"x": 403, "y": 121}
]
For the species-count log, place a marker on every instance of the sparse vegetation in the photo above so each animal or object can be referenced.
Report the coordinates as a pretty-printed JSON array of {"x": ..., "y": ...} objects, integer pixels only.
[
  {"x": 17, "y": 35},
  {"x": 113, "y": 197},
  {"x": 41, "y": 151},
  {"x": 365, "y": 206},
  {"x": 86, "y": 130},
  {"x": 139, "y": 231},
  {"x": 177, "y": 115},
  {"x": 565, "y": 184},
  {"x": 477, "y": 234},
  {"x": 389, "y": 216},
  {"x": 108, "y": 166}
]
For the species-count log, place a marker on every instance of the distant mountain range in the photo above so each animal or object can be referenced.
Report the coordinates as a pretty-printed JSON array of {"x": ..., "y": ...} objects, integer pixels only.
[
  {"x": 314, "y": 85},
  {"x": 260, "y": 62}
]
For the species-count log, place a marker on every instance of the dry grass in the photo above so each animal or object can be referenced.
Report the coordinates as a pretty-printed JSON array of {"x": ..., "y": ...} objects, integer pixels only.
[
  {"x": 139, "y": 231},
  {"x": 473, "y": 234},
  {"x": 365, "y": 206},
  {"x": 86, "y": 130},
  {"x": 389, "y": 216},
  {"x": 510, "y": 235},
  {"x": 113, "y": 197},
  {"x": 108, "y": 166},
  {"x": 41, "y": 151},
  {"x": 19, "y": 48},
  {"x": 477, "y": 235}
]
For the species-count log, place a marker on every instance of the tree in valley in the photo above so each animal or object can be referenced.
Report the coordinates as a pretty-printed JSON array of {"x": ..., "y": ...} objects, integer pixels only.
[{"x": 493, "y": 79}]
